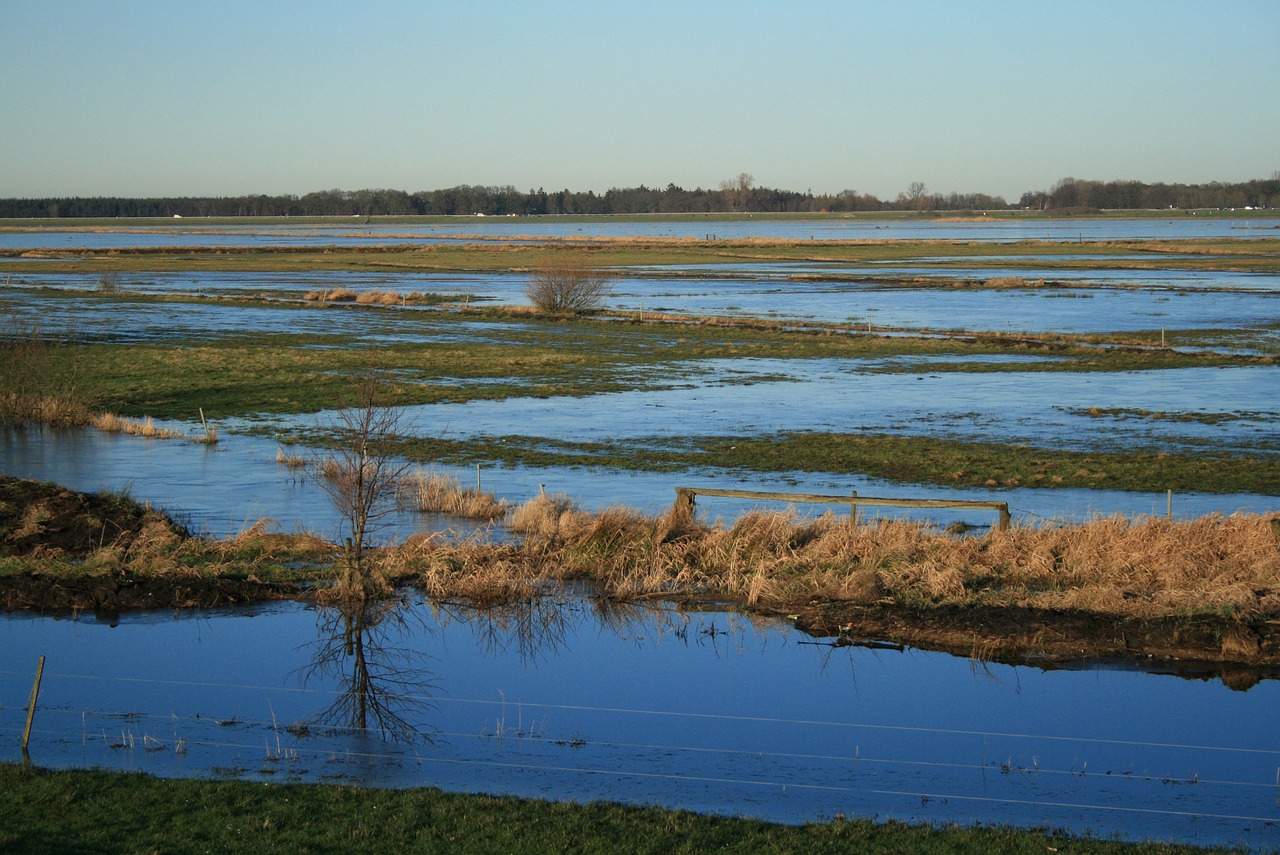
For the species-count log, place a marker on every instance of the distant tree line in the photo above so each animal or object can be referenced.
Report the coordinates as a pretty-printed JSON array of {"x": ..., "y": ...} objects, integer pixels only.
[
  {"x": 1073, "y": 193},
  {"x": 736, "y": 195}
]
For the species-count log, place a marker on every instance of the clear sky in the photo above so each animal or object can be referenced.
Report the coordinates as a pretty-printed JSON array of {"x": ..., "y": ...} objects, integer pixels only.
[{"x": 224, "y": 97}]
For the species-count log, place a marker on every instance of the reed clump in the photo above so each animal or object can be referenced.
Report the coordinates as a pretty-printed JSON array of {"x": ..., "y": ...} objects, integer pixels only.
[
  {"x": 1012, "y": 282},
  {"x": 111, "y": 423},
  {"x": 381, "y": 298},
  {"x": 475, "y": 570},
  {"x": 366, "y": 298},
  {"x": 1112, "y": 566},
  {"x": 432, "y": 492},
  {"x": 333, "y": 295},
  {"x": 291, "y": 461}
]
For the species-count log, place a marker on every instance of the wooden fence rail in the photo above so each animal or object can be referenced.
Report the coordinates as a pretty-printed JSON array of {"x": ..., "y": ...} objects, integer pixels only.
[{"x": 686, "y": 498}]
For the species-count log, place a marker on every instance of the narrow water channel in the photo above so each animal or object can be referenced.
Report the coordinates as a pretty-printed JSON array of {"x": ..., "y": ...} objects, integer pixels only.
[{"x": 575, "y": 699}]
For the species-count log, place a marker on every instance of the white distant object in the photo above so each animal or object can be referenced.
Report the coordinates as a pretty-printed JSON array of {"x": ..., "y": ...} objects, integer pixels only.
[
  {"x": 479, "y": 215},
  {"x": 177, "y": 216}
]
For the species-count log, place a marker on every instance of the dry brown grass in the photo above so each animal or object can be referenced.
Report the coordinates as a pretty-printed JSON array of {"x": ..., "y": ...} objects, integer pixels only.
[
  {"x": 377, "y": 298},
  {"x": 333, "y": 295},
  {"x": 111, "y": 423},
  {"x": 1013, "y": 282},
  {"x": 431, "y": 492},
  {"x": 291, "y": 461},
  {"x": 382, "y": 298},
  {"x": 1114, "y": 566}
]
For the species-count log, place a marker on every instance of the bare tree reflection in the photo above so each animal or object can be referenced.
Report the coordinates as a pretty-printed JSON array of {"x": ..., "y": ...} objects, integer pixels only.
[
  {"x": 534, "y": 626},
  {"x": 386, "y": 688},
  {"x": 538, "y": 626}
]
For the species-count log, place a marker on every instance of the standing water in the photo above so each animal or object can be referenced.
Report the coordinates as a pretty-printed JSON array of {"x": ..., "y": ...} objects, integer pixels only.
[{"x": 578, "y": 699}]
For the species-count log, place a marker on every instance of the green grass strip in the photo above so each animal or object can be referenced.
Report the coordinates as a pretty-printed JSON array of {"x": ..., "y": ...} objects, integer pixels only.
[{"x": 95, "y": 811}]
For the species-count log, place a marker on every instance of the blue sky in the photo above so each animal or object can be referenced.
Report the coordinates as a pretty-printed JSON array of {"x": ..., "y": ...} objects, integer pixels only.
[{"x": 188, "y": 97}]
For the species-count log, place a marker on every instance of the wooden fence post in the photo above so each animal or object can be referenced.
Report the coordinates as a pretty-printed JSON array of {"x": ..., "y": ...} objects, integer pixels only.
[{"x": 31, "y": 709}]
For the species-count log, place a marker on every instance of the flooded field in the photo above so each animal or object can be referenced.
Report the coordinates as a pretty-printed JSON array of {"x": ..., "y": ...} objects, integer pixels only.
[
  {"x": 363, "y": 231},
  {"x": 574, "y": 698},
  {"x": 221, "y": 491},
  {"x": 1081, "y": 302},
  {"x": 707, "y": 711}
]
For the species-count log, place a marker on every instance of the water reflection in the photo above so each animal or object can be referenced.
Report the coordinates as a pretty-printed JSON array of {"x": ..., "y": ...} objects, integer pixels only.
[
  {"x": 385, "y": 685},
  {"x": 592, "y": 699}
]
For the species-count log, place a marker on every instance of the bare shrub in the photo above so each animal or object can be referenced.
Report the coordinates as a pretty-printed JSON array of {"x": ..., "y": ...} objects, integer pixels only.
[
  {"x": 361, "y": 476},
  {"x": 568, "y": 288}
]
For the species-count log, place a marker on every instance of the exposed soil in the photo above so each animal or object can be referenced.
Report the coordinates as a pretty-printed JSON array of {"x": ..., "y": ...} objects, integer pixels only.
[
  {"x": 43, "y": 520},
  {"x": 108, "y": 595}
]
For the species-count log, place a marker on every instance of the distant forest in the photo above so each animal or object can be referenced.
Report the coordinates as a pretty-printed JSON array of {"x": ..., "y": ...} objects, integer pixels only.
[{"x": 737, "y": 195}]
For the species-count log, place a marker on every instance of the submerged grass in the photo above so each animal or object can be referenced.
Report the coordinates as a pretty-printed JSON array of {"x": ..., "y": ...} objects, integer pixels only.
[
  {"x": 83, "y": 811},
  {"x": 907, "y": 459}
]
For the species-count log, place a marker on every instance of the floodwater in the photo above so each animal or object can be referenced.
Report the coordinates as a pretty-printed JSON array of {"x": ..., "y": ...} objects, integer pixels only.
[
  {"x": 222, "y": 490},
  {"x": 709, "y": 711},
  {"x": 1106, "y": 302},
  {"x": 579, "y": 700},
  {"x": 190, "y": 233}
]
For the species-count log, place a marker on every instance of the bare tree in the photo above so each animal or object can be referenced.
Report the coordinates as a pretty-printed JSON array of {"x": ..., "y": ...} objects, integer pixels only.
[
  {"x": 737, "y": 191},
  {"x": 917, "y": 195},
  {"x": 361, "y": 474},
  {"x": 568, "y": 288}
]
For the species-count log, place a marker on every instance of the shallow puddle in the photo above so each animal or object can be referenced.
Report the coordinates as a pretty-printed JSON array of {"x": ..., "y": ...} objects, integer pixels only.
[{"x": 707, "y": 711}]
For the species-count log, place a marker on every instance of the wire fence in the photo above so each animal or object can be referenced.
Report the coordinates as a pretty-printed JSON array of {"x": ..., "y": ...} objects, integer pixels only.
[{"x": 510, "y": 744}]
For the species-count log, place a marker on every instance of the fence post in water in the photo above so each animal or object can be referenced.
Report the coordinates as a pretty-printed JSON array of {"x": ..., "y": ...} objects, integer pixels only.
[
  {"x": 853, "y": 508},
  {"x": 684, "y": 502},
  {"x": 31, "y": 709},
  {"x": 1168, "y": 511},
  {"x": 1004, "y": 516}
]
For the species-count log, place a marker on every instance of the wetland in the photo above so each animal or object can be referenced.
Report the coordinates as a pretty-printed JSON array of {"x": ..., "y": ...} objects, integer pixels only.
[{"x": 1118, "y": 393}]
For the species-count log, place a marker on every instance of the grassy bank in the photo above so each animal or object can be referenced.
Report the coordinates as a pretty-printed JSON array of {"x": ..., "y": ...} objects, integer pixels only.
[
  {"x": 1211, "y": 586},
  {"x": 95, "y": 811}
]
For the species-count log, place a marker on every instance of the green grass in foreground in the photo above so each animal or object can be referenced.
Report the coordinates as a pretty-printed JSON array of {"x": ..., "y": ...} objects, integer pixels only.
[{"x": 93, "y": 811}]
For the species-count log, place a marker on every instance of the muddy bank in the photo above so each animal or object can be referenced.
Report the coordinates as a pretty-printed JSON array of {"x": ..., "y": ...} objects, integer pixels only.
[
  {"x": 108, "y": 595},
  {"x": 1208, "y": 647}
]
